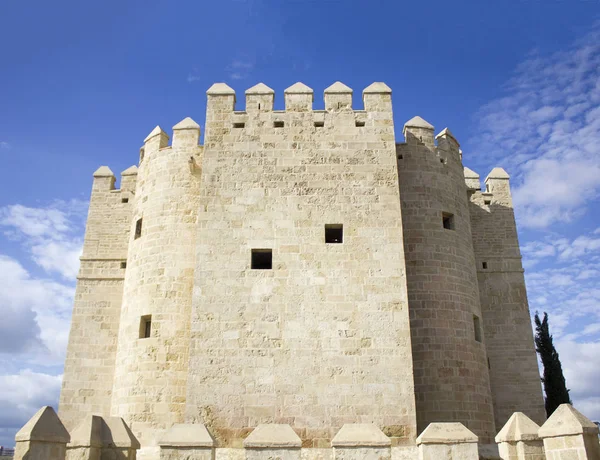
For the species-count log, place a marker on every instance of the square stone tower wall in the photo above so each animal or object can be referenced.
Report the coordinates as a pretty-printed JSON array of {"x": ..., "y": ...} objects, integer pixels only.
[{"x": 322, "y": 338}]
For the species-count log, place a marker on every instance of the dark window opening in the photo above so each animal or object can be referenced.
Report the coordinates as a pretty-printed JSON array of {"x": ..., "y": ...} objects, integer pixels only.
[
  {"x": 489, "y": 365},
  {"x": 239, "y": 125},
  {"x": 487, "y": 202},
  {"x": 123, "y": 264},
  {"x": 124, "y": 200},
  {"x": 448, "y": 221},
  {"x": 487, "y": 187},
  {"x": 477, "y": 327},
  {"x": 278, "y": 124},
  {"x": 141, "y": 154},
  {"x": 443, "y": 161},
  {"x": 138, "y": 229},
  {"x": 359, "y": 124},
  {"x": 259, "y": 106},
  {"x": 319, "y": 124},
  {"x": 484, "y": 265},
  {"x": 145, "y": 326},
  {"x": 262, "y": 259},
  {"x": 400, "y": 157},
  {"x": 334, "y": 233}
]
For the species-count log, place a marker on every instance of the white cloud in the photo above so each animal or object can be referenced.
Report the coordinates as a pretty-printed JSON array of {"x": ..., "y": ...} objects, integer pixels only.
[
  {"x": 4, "y": 145},
  {"x": 22, "y": 395},
  {"x": 546, "y": 132},
  {"x": 240, "y": 68}
]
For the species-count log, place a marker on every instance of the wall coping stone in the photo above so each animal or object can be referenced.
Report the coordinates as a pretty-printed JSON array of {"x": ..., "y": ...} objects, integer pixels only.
[
  {"x": 187, "y": 435},
  {"x": 273, "y": 435},
  {"x": 519, "y": 427},
  {"x": 360, "y": 434},
  {"x": 446, "y": 433},
  {"x": 567, "y": 421},
  {"x": 44, "y": 426}
]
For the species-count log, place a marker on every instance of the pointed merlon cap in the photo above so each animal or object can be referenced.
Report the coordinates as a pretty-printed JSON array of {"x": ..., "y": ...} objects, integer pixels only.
[
  {"x": 567, "y": 421},
  {"x": 378, "y": 87},
  {"x": 115, "y": 432},
  {"x": 298, "y": 88},
  {"x": 155, "y": 132},
  {"x": 339, "y": 88},
  {"x": 418, "y": 122},
  {"x": 220, "y": 89},
  {"x": 518, "y": 428},
  {"x": 88, "y": 433},
  {"x": 360, "y": 434},
  {"x": 273, "y": 435},
  {"x": 260, "y": 88},
  {"x": 446, "y": 433},
  {"x": 186, "y": 123},
  {"x": 187, "y": 435},
  {"x": 497, "y": 173},
  {"x": 446, "y": 133},
  {"x": 131, "y": 171},
  {"x": 470, "y": 174},
  {"x": 103, "y": 171},
  {"x": 44, "y": 426}
]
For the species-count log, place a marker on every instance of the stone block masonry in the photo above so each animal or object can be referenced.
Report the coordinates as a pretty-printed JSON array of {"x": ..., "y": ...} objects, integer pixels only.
[{"x": 300, "y": 268}]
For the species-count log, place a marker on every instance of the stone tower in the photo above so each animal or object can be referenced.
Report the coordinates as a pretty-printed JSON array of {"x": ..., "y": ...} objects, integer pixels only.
[{"x": 300, "y": 267}]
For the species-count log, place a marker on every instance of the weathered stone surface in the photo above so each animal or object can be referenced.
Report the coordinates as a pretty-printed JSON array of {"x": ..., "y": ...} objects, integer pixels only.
[
  {"x": 42, "y": 437},
  {"x": 519, "y": 440},
  {"x": 449, "y": 441}
]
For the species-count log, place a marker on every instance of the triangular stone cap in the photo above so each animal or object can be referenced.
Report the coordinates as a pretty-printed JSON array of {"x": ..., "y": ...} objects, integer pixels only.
[
  {"x": 567, "y": 421},
  {"x": 446, "y": 132},
  {"x": 116, "y": 433},
  {"x": 88, "y": 433},
  {"x": 518, "y": 428},
  {"x": 298, "y": 88},
  {"x": 338, "y": 87},
  {"x": 187, "y": 123},
  {"x": 377, "y": 87},
  {"x": 220, "y": 88},
  {"x": 187, "y": 435},
  {"x": 273, "y": 435},
  {"x": 360, "y": 434},
  {"x": 418, "y": 122},
  {"x": 497, "y": 173},
  {"x": 470, "y": 174},
  {"x": 44, "y": 426},
  {"x": 155, "y": 132},
  {"x": 131, "y": 171},
  {"x": 446, "y": 433},
  {"x": 260, "y": 88},
  {"x": 103, "y": 171}
]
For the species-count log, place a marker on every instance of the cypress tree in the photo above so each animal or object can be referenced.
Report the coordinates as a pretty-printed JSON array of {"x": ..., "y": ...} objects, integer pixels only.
[{"x": 555, "y": 386}]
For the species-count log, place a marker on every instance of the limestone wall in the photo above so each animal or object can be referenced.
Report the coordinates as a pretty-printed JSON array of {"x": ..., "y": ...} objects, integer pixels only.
[
  {"x": 322, "y": 338},
  {"x": 151, "y": 372},
  {"x": 89, "y": 365},
  {"x": 450, "y": 366},
  {"x": 515, "y": 378}
]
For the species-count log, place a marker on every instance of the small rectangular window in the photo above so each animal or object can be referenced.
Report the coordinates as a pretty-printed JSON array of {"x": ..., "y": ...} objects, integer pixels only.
[
  {"x": 123, "y": 264},
  {"x": 334, "y": 233},
  {"x": 359, "y": 123},
  {"x": 262, "y": 259},
  {"x": 487, "y": 202},
  {"x": 443, "y": 161},
  {"x": 278, "y": 124},
  {"x": 400, "y": 157},
  {"x": 124, "y": 200},
  {"x": 239, "y": 125},
  {"x": 319, "y": 124},
  {"x": 448, "y": 220},
  {"x": 145, "y": 326},
  {"x": 138, "y": 229},
  {"x": 484, "y": 265},
  {"x": 477, "y": 327}
]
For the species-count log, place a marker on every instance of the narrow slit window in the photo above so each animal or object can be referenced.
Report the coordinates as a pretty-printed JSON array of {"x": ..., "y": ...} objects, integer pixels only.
[
  {"x": 138, "y": 229},
  {"x": 477, "y": 327},
  {"x": 123, "y": 265},
  {"x": 359, "y": 123},
  {"x": 259, "y": 106},
  {"x": 145, "y": 326},
  {"x": 400, "y": 157},
  {"x": 319, "y": 124},
  {"x": 334, "y": 233},
  {"x": 278, "y": 124},
  {"x": 448, "y": 220},
  {"x": 124, "y": 200},
  {"x": 262, "y": 259},
  {"x": 239, "y": 125},
  {"x": 484, "y": 265}
]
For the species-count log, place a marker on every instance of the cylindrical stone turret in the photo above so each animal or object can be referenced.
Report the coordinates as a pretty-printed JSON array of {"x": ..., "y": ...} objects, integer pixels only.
[
  {"x": 152, "y": 354},
  {"x": 449, "y": 358}
]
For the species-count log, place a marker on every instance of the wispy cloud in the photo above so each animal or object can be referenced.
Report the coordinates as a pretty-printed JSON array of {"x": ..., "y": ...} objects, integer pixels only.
[
  {"x": 4, "y": 145},
  {"x": 239, "y": 69},
  {"x": 546, "y": 131}
]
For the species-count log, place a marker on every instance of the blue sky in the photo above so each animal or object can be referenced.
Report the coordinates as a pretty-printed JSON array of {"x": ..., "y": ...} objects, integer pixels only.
[{"x": 517, "y": 82}]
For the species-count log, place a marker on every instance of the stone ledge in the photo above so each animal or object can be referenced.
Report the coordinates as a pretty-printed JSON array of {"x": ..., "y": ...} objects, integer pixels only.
[
  {"x": 271, "y": 435},
  {"x": 360, "y": 435},
  {"x": 44, "y": 426},
  {"x": 187, "y": 435},
  {"x": 446, "y": 433}
]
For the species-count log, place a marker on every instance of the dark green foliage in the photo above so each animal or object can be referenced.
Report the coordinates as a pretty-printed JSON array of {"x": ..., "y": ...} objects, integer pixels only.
[{"x": 553, "y": 380}]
